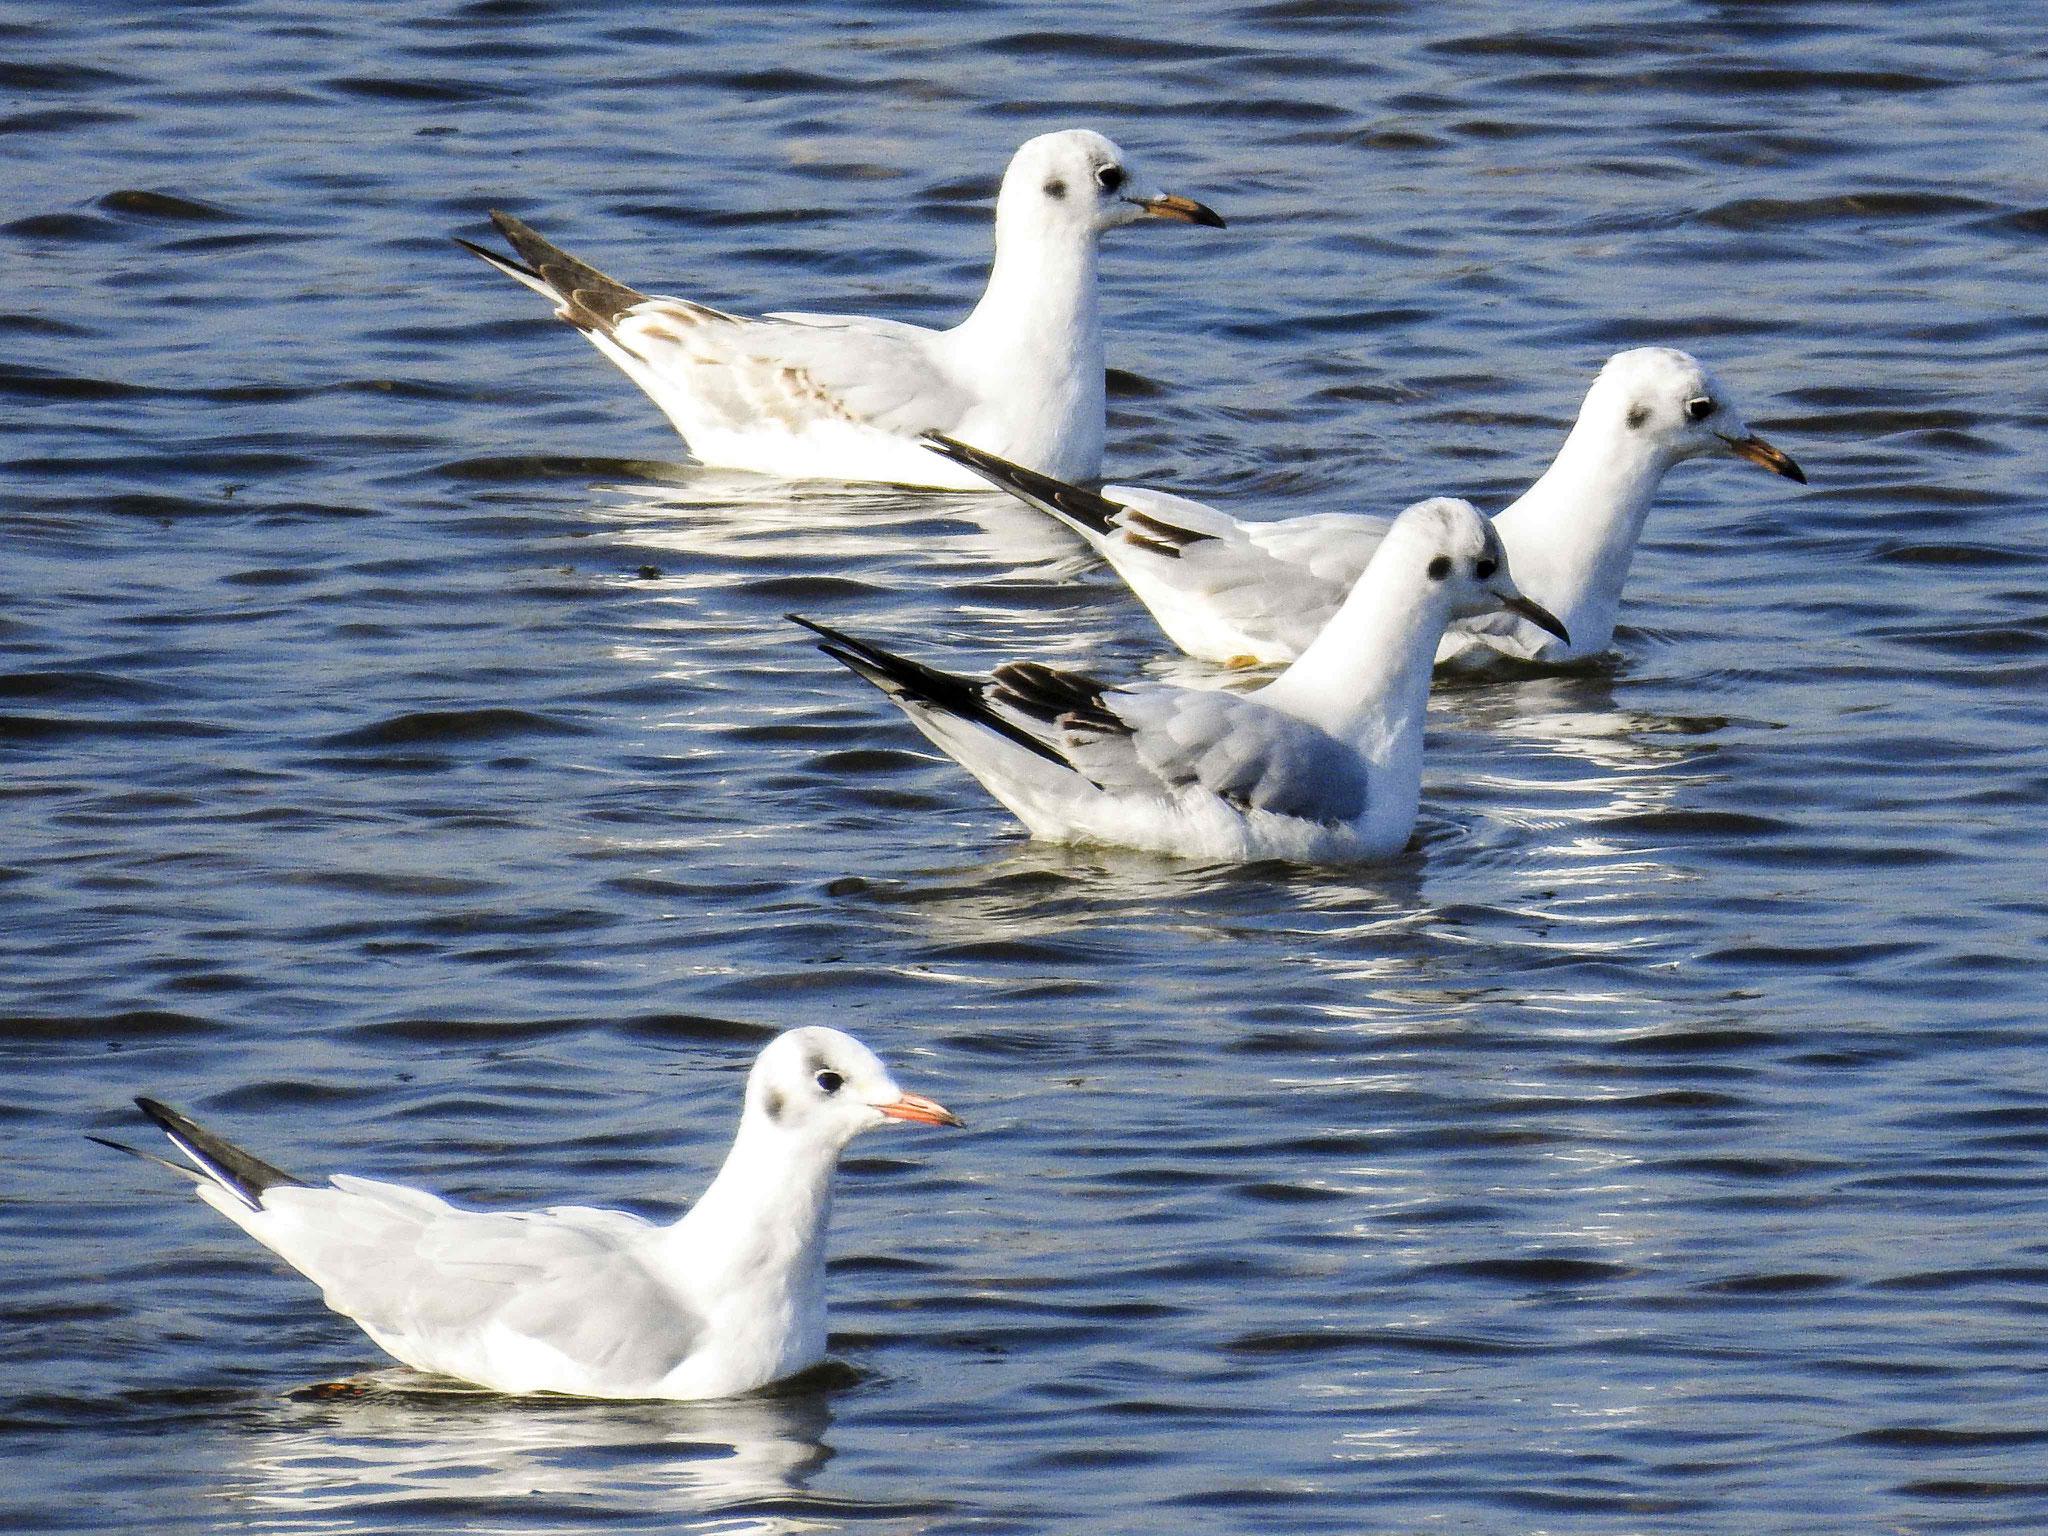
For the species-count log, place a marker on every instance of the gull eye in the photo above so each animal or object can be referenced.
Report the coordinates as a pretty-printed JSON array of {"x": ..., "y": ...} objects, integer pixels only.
[
  {"x": 1700, "y": 407},
  {"x": 829, "y": 1082},
  {"x": 1485, "y": 568},
  {"x": 1110, "y": 177},
  {"x": 1440, "y": 567}
]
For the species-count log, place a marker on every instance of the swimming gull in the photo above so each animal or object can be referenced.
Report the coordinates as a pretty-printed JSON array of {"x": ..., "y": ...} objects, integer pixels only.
[
  {"x": 1323, "y": 764},
  {"x": 595, "y": 1303},
  {"x": 1245, "y": 593},
  {"x": 844, "y": 396}
]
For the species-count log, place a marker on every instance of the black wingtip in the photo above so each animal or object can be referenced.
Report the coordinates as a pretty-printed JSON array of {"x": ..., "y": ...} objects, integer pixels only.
[
  {"x": 243, "y": 1172},
  {"x": 1088, "y": 510},
  {"x": 498, "y": 259},
  {"x": 885, "y": 669},
  {"x": 182, "y": 1170},
  {"x": 911, "y": 683}
]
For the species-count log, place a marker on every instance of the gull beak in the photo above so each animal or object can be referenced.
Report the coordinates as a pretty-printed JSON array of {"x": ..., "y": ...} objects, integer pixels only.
[
  {"x": 1186, "y": 209},
  {"x": 1536, "y": 614},
  {"x": 1757, "y": 451},
  {"x": 915, "y": 1106}
]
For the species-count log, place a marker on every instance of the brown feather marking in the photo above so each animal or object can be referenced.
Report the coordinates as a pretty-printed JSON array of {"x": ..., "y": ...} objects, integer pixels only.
[{"x": 1172, "y": 533}]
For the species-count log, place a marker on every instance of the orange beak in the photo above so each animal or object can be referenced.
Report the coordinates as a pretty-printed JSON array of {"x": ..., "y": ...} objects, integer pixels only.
[
  {"x": 915, "y": 1106},
  {"x": 1185, "y": 209}
]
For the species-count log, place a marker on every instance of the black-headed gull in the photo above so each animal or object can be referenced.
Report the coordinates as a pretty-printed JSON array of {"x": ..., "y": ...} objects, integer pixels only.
[
  {"x": 843, "y": 396},
  {"x": 590, "y": 1302},
  {"x": 1245, "y": 593},
  {"x": 1324, "y": 764}
]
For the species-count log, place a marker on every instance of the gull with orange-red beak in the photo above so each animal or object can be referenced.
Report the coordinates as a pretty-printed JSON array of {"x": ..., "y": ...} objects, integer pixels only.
[{"x": 594, "y": 1303}]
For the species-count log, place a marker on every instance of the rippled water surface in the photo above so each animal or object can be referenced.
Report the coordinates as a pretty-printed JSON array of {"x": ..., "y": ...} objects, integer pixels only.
[{"x": 407, "y": 768}]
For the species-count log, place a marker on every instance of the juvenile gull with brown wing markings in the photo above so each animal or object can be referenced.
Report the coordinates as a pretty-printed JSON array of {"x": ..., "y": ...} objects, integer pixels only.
[{"x": 846, "y": 396}]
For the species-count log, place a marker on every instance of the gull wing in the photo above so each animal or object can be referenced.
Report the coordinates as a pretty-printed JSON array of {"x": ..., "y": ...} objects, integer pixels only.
[
  {"x": 1223, "y": 589},
  {"x": 436, "y": 1283},
  {"x": 1147, "y": 740},
  {"x": 879, "y": 373},
  {"x": 711, "y": 370},
  {"x": 1161, "y": 739},
  {"x": 445, "y": 1288},
  {"x": 1229, "y": 590}
]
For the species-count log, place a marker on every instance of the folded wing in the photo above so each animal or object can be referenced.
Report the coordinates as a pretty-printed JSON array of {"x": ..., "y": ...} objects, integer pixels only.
[
  {"x": 475, "y": 1293},
  {"x": 710, "y": 370},
  {"x": 1150, "y": 739}
]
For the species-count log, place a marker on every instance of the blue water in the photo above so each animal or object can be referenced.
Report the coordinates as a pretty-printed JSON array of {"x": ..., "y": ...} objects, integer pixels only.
[{"x": 405, "y": 766}]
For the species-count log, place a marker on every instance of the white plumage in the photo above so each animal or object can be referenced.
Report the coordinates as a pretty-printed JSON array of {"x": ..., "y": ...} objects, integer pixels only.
[
  {"x": 1243, "y": 593},
  {"x": 845, "y": 396},
  {"x": 1324, "y": 764},
  {"x": 595, "y": 1303}
]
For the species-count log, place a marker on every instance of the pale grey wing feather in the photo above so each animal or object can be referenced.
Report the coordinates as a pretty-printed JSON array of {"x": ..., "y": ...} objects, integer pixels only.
[
  {"x": 1166, "y": 739},
  {"x": 1332, "y": 547},
  {"x": 884, "y": 373},
  {"x": 1284, "y": 580},
  {"x": 574, "y": 1282},
  {"x": 407, "y": 1264},
  {"x": 903, "y": 330},
  {"x": 398, "y": 1198},
  {"x": 876, "y": 373}
]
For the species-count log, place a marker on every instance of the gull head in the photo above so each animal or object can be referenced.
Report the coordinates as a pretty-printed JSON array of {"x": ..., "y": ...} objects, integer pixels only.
[
  {"x": 1076, "y": 184},
  {"x": 1670, "y": 399},
  {"x": 1458, "y": 558},
  {"x": 825, "y": 1086}
]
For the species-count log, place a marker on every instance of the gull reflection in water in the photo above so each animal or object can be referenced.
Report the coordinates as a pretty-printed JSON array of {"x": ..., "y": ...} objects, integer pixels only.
[
  {"x": 370, "y": 1453},
  {"x": 1566, "y": 753},
  {"x": 727, "y": 513},
  {"x": 1029, "y": 891}
]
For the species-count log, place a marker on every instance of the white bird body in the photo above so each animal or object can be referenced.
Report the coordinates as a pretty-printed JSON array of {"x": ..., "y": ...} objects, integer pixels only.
[
  {"x": 845, "y": 396},
  {"x": 1245, "y": 593},
  {"x": 593, "y": 1303},
  {"x": 1322, "y": 765}
]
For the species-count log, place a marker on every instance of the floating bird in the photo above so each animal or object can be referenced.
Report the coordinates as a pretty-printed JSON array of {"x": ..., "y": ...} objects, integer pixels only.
[
  {"x": 1323, "y": 764},
  {"x": 844, "y": 396},
  {"x": 590, "y": 1302},
  {"x": 1246, "y": 593}
]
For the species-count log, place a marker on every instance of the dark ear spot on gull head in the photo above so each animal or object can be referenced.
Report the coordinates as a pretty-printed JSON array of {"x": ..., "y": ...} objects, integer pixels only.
[
  {"x": 1055, "y": 189},
  {"x": 1440, "y": 567},
  {"x": 1637, "y": 415},
  {"x": 771, "y": 1102}
]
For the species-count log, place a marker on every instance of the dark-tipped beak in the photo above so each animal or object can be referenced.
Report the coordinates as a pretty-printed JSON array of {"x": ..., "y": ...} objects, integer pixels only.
[
  {"x": 1757, "y": 451},
  {"x": 1538, "y": 615},
  {"x": 1185, "y": 209},
  {"x": 915, "y": 1106}
]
